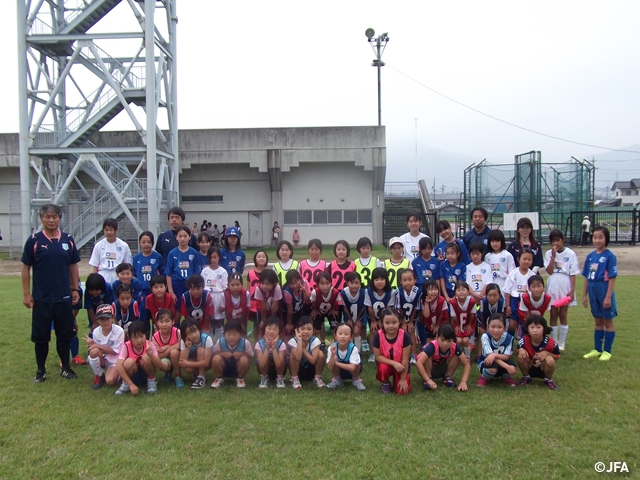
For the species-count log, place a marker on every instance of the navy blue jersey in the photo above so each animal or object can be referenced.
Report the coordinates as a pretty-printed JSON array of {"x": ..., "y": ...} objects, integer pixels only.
[
  {"x": 232, "y": 262},
  {"x": 488, "y": 310},
  {"x": 452, "y": 274},
  {"x": 426, "y": 269},
  {"x": 125, "y": 318},
  {"x": 353, "y": 304},
  {"x": 90, "y": 303},
  {"x": 296, "y": 301},
  {"x": 50, "y": 259},
  {"x": 377, "y": 302},
  {"x": 167, "y": 242},
  {"x": 516, "y": 248},
  {"x": 438, "y": 356},
  {"x": 408, "y": 302},
  {"x": 181, "y": 265},
  {"x": 600, "y": 267},
  {"x": 472, "y": 237},
  {"x": 144, "y": 268}
]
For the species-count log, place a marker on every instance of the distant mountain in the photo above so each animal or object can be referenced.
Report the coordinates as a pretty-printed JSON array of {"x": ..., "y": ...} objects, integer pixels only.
[
  {"x": 446, "y": 167},
  {"x": 613, "y": 155}
]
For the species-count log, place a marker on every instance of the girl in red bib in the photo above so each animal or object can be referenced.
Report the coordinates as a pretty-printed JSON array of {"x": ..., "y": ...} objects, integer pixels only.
[{"x": 392, "y": 348}]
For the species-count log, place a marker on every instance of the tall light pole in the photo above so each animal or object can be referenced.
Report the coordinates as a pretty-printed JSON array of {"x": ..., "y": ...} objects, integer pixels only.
[{"x": 377, "y": 45}]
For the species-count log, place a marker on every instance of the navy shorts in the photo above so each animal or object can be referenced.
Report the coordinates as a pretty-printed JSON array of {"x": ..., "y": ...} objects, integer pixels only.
[
  {"x": 63, "y": 321},
  {"x": 597, "y": 291},
  {"x": 230, "y": 368},
  {"x": 179, "y": 287},
  {"x": 307, "y": 371},
  {"x": 346, "y": 375},
  {"x": 139, "y": 377}
]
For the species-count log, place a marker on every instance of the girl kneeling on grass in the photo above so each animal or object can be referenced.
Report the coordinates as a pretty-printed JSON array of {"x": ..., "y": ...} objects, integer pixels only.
[
  {"x": 495, "y": 356},
  {"x": 392, "y": 348},
  {"x": 343, "y": 359},
  {"x": 167, "y": 342},
  {"x": 306, "y": 360},
  {"x": 537, "y": 352},
  {"x": 271, "y": 353},
  {"x": 104, "y": 347},
  {"x": 137, "y": 362},
  {"x": 440, "y": 359},
  {"x": 196, "y": 350}
]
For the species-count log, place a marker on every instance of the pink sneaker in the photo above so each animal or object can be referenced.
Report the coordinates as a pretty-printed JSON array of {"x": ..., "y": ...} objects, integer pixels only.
[
  {"x": 482, "y": 382},
  {"x": 509, "y": 381}
]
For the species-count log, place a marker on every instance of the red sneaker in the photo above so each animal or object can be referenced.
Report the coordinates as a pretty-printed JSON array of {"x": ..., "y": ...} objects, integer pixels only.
[
  {"x": 78, "y": 360},
  {"x": 509, "y": 381},
  {"x": 482, "y": 382}
]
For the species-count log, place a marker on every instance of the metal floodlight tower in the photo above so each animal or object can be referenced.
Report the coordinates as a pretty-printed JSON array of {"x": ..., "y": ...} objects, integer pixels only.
[
  {"x": 377, "y": 45},
  {"x": 76, "y": 74}
]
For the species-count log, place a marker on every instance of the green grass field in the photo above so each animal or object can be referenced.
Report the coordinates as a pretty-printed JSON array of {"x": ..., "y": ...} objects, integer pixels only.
[{"x": 64, "y": 429}]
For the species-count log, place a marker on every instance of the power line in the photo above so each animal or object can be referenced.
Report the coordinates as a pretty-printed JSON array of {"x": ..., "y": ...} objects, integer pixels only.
[{"x": 506, "y": 122}]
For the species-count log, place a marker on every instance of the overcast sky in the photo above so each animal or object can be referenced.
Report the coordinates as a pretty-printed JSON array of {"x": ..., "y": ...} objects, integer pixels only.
[{"x": 569, "y": 69}]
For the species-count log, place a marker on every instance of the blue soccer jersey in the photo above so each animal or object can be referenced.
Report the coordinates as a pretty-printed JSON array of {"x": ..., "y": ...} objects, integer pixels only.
[
  {"x": 426, "y": 269},
  {"x": 451, "y": 274},
  {"x": 144, "y": 268},
  {"x": 378, "y": 302},
  {"x": 137, "y": 288},
  {"x": 502, "y": 346},
  {"x": 50, "y": 259},
  {"x": 232, "y": 262},
  {"x": 354, "y": 304},
  {"x": 600, "y": 267},
  {"x": 181, "y": 265},
  {"x": 408, "y": 302},
  {"x": 441, "y": 249}
]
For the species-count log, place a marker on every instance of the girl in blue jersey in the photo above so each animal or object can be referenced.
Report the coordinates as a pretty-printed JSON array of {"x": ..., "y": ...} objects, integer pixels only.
[
  {"x": 600, "y": 272},
  {"x": 343, "y": 359},
  {"x": 377, "y": 296},
  {"x": 352, "y": 297},
  {"x": 204, "y": 243},
  {"x": 491, "y": 304},
  {"x": 271, "y": 353},
  {"x": 125, "y": 308},
  {"x": 451, "y": 270},
  {"x": 147, "y": 263},
  {"x": 182, "y": 262},
  {"x": 232, "y": 258},
  {"x": 425, "y": 266}
]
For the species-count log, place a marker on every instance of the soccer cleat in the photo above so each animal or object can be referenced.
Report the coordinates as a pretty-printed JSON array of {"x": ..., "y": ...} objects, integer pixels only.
[
  {"x": 152, "y": 386},
  {"x": 359, "y": 385},
  {"x": 365, "y": 346},
  {"x": 317, "y": 381},
  {"x": 413, "y": 358},
  {"x": 179, "y": 382},
  {"x": 295, "y": 383},
  {"x": 279, "y": 382},
  {"x": 217, "y": 383},
  {"x": 198, "y": 383},
  {"x": 167, "y": 377},
  {"x": 605, "y": 357},
  {"x": 335, "y": 383},
  {"x": 482, "y": 382},
  {"x": 68, "y": 374},
  {"x": 592, "y": 354},
  {"x": 98, "y": 381},
  {"x": 40, "y": 377},
  {"x": 240, "y": 383},
  {"x": 524, "y": 381},
  {"x": 550, "y": 383},
  {"x": 448, "y": 381},
  {"x": 509, "y": 381},
  {"x": 561, "y": 346},
  {"x": 264, "y": 382},
  {"x": 124, "y": 388},
  {"x": 78, "y": 360},
  {"x": 372, "y": 358},
  {"x": 386, "y": 388}
]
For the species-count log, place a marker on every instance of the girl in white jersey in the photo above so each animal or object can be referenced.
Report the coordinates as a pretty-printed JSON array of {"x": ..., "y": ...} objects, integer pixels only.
[
  {"x": 499, "y": 258},
  {"x": 515, "y": 286}
]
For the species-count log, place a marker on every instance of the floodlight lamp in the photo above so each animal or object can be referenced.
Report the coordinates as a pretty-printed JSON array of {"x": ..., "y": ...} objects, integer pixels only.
[{"x": 370, "y": 32}]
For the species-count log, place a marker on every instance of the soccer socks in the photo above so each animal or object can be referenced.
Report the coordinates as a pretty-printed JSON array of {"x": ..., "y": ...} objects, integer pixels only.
[
  {"x": 564, "y": 329},
  {"x": 220, "y": 332},
  {"x": 94, "y": 363},
  {"x": 608, "y": 340},
  {"x": 467, "y": 352},
  {"x": 42, "y": 351},
  {"x": 74, "y": 346},
  {"x": 598, "y": 337},
  {"x": 358, "y": 343},
  {"x": 554, "y": 333},
  {"x": 62, "y": 346}
]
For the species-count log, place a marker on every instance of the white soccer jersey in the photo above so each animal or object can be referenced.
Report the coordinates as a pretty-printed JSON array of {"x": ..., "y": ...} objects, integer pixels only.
[
  {"x": 107, "y": 256},
  {"x": 478, "y": 276}
]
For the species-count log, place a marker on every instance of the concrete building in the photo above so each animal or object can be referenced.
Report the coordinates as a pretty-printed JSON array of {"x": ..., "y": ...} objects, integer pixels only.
[
  {"x": 627, "y": 192},
  {"x": 328, "y": 182}
]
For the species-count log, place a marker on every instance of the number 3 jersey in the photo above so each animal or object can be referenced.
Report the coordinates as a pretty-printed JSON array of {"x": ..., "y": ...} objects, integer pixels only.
[
  {"x": 408, "y": 302},
  {"x": 478, "y": 276}
]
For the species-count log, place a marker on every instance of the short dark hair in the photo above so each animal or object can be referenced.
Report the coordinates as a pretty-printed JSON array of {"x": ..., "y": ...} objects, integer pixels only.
[
  {"x": 345, "y": 244},
  {"x": 497, "y": 316},
  {"x": 157, "y": 279},
  {"x": 268, "y": 275},
  {"x": 292, "y": 275},
  {"x": 233, "y": 326},
  {"x": 195, "y": 281},
  {"x": 187, "y": 324},
  {"x": 605, "y": 232},
  {"x": 476, "y": 247},
  {"x": 535, "y": 278},
  {"x": 95, "y": 281},
  {"x": 442, "y": 225},
  {"x": 536, "y": 320},
  {"x": 164, "y": 312},
  {"x": 429, "y": 283},
  {"x": 273, "y": 320},
  {"x": 324, "y": 275},
  {"x": 184, "y": 228},
  {"x": 414, "y": 214},
  {"x": 461, "y": 284},
  {"x": 424, "y": 243},
  {"x": 204, "y": 236},
  {"x": 136, "y": 328},
  {"x": 363, "y": 242},
  {"x": 315, "y": 242},
  {"x": 110, "y": 223},
  {"x": 124, "y": 266},
  {"x": 496, "y": 235},
  {"x": 147, "y": 233},
  {"x": 305, "y": 320},
  {"x": 380, "y": 272},
  {"x": 279, "y": 246},
  {"x": 176, "y": 211},
  {"x": 123, "y": 289},
  {"x": 556, "y": 234},
  {"x": 402, "y": 271},
  {"x": 237, "y": 276},
  {"x": 351, "y": 276},
  {"x": 255, "y": 255},
  {"x": 446, "y": 332},
  {"x": 484, "y": 213},
  {"x": 49, "y": 208}
]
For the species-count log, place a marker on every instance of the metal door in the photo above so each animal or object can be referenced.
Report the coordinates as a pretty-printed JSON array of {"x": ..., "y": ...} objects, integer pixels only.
[{"x": 255, "y": 229}]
